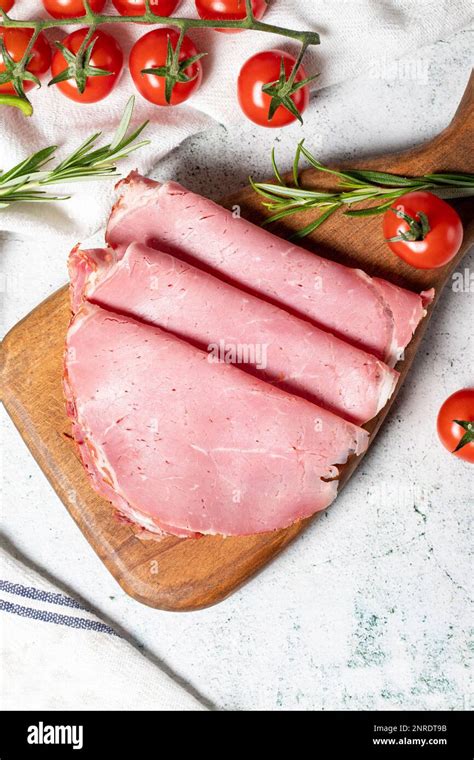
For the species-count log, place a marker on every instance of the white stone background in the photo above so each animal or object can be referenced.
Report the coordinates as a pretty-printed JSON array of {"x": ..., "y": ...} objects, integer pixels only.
[{"x": 370, "y": 608}]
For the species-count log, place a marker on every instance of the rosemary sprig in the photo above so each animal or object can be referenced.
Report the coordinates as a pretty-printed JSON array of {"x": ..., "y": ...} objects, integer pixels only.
[
  {"x": 92, "y": 20},
  {"x": 24, "y": 182},
  {"x": 354, "y": 187}
]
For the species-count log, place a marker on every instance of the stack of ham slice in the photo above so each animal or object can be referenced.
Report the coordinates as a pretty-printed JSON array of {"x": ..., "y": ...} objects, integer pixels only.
[
  {"x": 217, "y": 375},
  {"x": 367, "y": 312}
]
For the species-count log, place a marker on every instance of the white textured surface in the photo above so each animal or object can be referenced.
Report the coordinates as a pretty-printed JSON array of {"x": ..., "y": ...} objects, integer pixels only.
[{"x": 369, "y": 609}]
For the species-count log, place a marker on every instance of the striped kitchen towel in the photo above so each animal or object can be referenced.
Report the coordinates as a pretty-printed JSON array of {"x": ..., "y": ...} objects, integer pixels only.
[{"x": 57, "y": 655}]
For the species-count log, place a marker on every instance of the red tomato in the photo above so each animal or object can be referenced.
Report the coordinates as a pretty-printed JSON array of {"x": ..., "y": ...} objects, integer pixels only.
[
  {"x": 106, "y": 54},
  {"x": 460, "y": 407},
  {"x": 150, "y": 52},
  {"x": 71, "y": 8},
  {"x": 439, "y": 245},
  {"x": 5, "y": 5},
  {"x": 262, "y": 69},
  {"x": 137, "y": 7},
  {"x": 16, "y": 41},
  {"x": 228, "y": 10}
]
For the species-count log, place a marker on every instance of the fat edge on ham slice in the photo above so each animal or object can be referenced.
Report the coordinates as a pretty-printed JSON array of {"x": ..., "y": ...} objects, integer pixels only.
[
  {"x": 160, "y": 289},
  {"x": 83, "y": 267},
  {"x": 103, "y": 485},
  {"x": 342, "y": 300},
  {"x": 244, "y": 458}
]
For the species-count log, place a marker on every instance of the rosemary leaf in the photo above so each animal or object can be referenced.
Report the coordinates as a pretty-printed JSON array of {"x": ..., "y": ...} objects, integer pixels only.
[
  {"x": 284, "y": 213},
  {"x": 122, "y": 128},
  {"x": 355, "y": 187},
  {"x": 79, "y": 154},
  {"x": 23, "y": 182},
  {"x": 317, "y": 165},
  {"x": 29, "y": 165},
  {"x": 283, "y": 191},
  {"x": 296, "y": 163},
  {"x": 276, "y": 170},
  {"x": 259, "y": 188},
  {"x": 371, "y": 211},
  {"x": 461, "y": 180},
  {"x": 382, "y": 178},
  {"x": 317, "y": 223}
]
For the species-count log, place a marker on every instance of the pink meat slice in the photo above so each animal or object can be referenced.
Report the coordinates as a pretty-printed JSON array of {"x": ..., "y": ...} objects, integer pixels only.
[
  {"x": 341, "y": 300},
  {"x": 407, "y": 312},
  {"x": 101, "y": 481},
  {"x": 83, "y": 266},
  {"x": 295, "y": 355},
  {"x": 200, "y": 447}
]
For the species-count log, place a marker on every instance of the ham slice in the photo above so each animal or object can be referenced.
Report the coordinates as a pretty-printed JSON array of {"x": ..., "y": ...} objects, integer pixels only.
[
  {"x": 367, "y": 312},
  {"x": 83, "y": 267},
  {"x": 101, "y": 482},
  {"x": 236, "y": 327},
  {"x": 191, "y": 445}
]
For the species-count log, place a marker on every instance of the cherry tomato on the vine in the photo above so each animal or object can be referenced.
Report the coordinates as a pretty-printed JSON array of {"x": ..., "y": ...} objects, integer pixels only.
[
  {"x": 151, "y": 52},
  {"x": 137, "y": 7},
  {"x": 456, "y": 424},
  {"x": 5, "y": 5},
  {"x": 423, "y": 230},
  {"x": 106, "y": 55},
  {"x": 71, "y": 8},
  {"x": 16, "y": 41},
  {"x": 229, "y": 10},
  {"x": 263, "y": 69}
]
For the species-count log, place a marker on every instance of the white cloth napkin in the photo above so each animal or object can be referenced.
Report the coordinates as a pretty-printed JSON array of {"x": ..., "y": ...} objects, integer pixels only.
[
  {"x": 357, "y": 36},
  {"x": 57, "y": 655}
]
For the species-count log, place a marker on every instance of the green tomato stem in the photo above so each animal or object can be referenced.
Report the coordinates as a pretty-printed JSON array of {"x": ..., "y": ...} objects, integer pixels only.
[
  {"x": 418, "y": 227},
  {"x": 92, "y": 20},
  {"x": 13, "y": 100}
]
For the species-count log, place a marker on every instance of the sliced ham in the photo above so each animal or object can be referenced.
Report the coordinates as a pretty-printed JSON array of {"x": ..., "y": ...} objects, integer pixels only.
[
  {"x": 362, "y": 310},
  {"x": 102, "y": 484},
  {"x": 237, "y": 327},
  {"x": 84, "y": 266},
  {"x": 191, "y": 445},
  {"x": 407, "y": 311}
]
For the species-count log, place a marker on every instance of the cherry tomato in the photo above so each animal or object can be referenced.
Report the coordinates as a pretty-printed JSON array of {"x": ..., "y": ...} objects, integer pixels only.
[
  {"x": 150, "y": 51},
  {"x": 137, "y": 7},
  {"x": 71, "y": 8},
  {"x": 228, "y": 10},
  {"x": 262, "y": 69},
  {"x": 5, "y": 5},
  {"x": 460, "y": 407},
  {"x": 439, "y": 245},
  {"x": 16, "y": 41},
  {"x": 106, "y": 54}
]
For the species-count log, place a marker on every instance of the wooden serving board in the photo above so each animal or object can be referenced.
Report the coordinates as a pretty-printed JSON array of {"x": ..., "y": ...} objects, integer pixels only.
[{"x": 176, "y": 574}]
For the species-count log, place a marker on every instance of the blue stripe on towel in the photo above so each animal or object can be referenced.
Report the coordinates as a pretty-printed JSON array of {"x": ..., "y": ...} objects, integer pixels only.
[
  {"x": 53, "y": 617},
  {"x": 43, "y": 596}
]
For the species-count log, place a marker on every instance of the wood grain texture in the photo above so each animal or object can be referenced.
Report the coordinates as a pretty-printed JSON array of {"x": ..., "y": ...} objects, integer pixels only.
[{"x": 176, "y": 574}]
